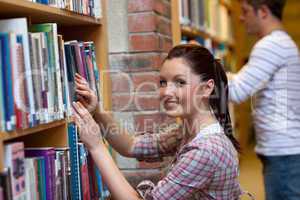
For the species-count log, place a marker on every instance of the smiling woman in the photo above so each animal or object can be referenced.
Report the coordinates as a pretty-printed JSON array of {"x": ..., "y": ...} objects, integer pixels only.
[{"x": 193, "y": 86}]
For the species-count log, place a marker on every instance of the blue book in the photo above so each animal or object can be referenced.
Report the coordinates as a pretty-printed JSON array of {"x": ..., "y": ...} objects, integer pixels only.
[
  {"x": 99, "y": 184},
  {"x": 46, "y": 2},
  {"x": 74, "y": 162},
  {"x": 7, "y": 82},
  {"x": 2, "y": 101},
  {"x": 41, "y": 178}
]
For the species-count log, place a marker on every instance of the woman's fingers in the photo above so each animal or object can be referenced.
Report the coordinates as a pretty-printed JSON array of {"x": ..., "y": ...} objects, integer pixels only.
[
  {"x": 82, "y": 100},
  {"x": 83, "y": 112},
  {"x": 83, "y": 93},
  {"x": 80, "y": 86},
  {"x": 80, "y": 79},
  {"x": 86, "y": 113}
]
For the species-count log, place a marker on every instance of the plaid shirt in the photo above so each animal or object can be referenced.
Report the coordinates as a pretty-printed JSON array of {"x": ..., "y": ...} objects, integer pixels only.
[{"x": 205, "y": 168}]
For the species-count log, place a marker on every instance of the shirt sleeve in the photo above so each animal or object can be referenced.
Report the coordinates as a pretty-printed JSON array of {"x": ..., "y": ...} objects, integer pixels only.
[
  {"x": 264, "y": 61},
  {"x": 193, "y": 171},
  {"x": 150, "y": 147}
]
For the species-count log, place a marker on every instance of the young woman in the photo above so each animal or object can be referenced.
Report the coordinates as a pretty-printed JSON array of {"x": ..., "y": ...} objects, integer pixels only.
[{"x": 193, "y": 87}]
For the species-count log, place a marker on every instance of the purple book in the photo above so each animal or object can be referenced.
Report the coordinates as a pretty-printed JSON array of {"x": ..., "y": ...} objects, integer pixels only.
[{"x": 49, "y": 155}]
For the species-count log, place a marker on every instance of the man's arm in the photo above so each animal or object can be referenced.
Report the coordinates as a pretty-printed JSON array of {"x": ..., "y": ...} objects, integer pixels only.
[{"x": 254, "y": 76}]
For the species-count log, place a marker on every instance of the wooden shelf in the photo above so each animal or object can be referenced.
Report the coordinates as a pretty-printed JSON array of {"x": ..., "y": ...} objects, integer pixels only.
[
  {"x": 5, "y": 136},
  {"x": 39, "y": 13},
  {"x": 194, "y": 32}
]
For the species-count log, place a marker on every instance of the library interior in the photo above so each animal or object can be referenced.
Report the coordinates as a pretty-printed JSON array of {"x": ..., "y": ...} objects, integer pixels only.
[{"x": 97, "y": 96}]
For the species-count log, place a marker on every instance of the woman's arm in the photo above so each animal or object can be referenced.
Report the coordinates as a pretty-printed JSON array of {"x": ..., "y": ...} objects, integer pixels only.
[
  {"x": 114, "y": 179},
  {"x": 122, "y": 141},
  {"x": 127, "y": 144},
  {"x": 90, "y": 135},
  {"x": 118, "y": 138}
]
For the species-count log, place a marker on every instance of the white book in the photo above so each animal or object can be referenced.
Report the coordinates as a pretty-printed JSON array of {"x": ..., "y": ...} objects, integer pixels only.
[
  {"x": 98, "y": 9},
  {"x": 38, "y": 72},
  {"x": 194, "y": 13},
  {"x": 30, "y": 179},
  {"x": 58, "y": 74},
  {"x": 45, "y": 78},
  {"x": 19, "y": 26}
]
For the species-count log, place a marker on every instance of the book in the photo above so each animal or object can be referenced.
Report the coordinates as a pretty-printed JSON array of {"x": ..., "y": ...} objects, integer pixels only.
[
  {"x": 19, "y": 26},
  {"x": 5, "y": 184},
  {"x": 48, "y": 153},
  {"x": 31, "y": 183},
  {"x": 2, "y": 101},
  {"x": 63, "y": 156},
  {"x": 55, "y": 85},
  {"x": 74, "y": 162},
  {"x": 20, "y": 88},
  {"x": 14, "y": 159},
  {"x": 7, "y": 82},
  {"x": 84, "y": 173}
]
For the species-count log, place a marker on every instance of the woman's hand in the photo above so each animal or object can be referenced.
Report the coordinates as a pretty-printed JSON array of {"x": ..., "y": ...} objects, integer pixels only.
[
  {"x": 85, "y": 95},
  {"x": 89, "y": 130}
]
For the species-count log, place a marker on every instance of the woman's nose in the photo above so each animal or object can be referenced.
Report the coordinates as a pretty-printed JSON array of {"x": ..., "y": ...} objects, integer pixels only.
[{"x": 168, "y": 90}]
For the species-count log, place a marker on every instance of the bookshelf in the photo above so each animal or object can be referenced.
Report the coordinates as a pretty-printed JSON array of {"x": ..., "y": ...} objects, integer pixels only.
[
  {"x": 72, "y": 26},
  {"x": 183, "y": 26},
  {"x": 40, "y": 13}
]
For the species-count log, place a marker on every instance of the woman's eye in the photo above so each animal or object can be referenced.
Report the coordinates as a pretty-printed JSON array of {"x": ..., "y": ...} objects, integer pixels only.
[
  {"x": 180, "y": 83},
  {"x": 163, "y": 83}
]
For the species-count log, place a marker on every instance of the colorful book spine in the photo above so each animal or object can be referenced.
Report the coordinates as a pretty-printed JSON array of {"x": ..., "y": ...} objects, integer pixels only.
[
  {"x": 7, "y": 81},
  {"x": 74, "y": 162},
  {"x": 49, "y": 155},
  {"x": 19, "y": 27},
  {"x": 14, "y": 159}
]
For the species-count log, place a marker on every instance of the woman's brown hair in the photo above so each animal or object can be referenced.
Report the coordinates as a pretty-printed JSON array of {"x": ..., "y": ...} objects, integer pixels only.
[{"x": 203, "y": 63}]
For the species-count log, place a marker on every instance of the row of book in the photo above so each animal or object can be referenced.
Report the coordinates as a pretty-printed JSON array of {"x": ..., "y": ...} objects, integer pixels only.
[
  {"x": 86, "y": 7},
  {"x": 37, "y": 72},
  {"x": 210, "y": 16},
  {"x": 45, "y": 174}
]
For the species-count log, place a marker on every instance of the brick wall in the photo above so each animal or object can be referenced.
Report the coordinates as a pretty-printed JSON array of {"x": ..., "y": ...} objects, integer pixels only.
[{"x": 135, "y": 75}]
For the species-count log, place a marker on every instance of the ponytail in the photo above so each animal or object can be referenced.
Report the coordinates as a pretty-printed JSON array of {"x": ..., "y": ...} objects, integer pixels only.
[{"x": 219, "y": 103}]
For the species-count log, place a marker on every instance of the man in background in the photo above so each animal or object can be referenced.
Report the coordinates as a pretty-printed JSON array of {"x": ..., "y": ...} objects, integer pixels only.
[{"x": 272, "y": 78}]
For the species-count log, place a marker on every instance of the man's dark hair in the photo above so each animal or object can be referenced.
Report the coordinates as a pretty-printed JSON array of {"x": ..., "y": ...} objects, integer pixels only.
[{"x": 275, "y": 6}]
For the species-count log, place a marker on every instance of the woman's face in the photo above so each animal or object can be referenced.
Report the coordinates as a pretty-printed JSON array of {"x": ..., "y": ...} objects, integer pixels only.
[{"x": 181, "y": 91}]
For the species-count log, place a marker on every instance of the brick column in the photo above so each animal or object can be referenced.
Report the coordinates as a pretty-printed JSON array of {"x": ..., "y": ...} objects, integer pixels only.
[{"x": 135, "y": 73}]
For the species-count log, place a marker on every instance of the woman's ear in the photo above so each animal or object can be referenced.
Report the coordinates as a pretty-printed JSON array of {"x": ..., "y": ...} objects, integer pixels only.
[{"x": 208, "y": 88}]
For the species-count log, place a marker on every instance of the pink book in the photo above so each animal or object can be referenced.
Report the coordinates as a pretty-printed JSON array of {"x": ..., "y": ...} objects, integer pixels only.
[{"x": 14, "y": 159}]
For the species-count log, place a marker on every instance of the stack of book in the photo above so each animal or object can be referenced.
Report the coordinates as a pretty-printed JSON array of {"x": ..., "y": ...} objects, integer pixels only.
[
  {"x": 210, "y": 16},
  {"x": 37, "y": 72},
  {"x": 46, "y": 174}
]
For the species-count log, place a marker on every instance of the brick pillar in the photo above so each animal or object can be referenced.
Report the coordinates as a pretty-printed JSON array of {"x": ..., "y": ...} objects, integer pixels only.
[{"x": 135, "y": 76}]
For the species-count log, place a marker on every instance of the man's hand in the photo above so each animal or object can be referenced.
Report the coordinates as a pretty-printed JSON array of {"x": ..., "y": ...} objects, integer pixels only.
[{"x": 230, "y": 76}]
